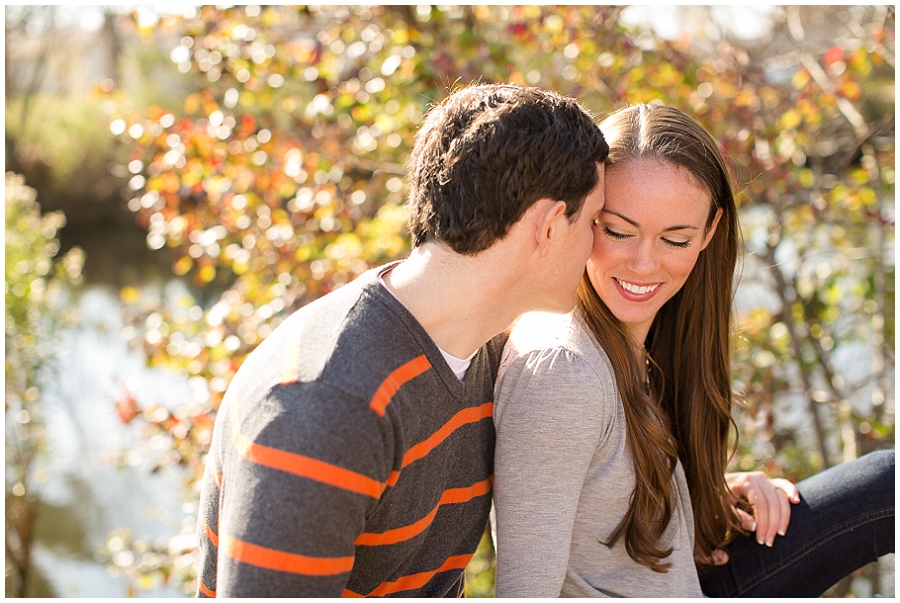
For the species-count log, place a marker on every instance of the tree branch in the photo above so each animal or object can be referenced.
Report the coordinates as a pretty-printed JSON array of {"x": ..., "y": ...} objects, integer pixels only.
[{"x": 781, "y": 288}]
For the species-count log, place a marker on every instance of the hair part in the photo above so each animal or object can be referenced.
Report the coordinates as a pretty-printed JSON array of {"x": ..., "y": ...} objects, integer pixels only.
[
  {"x": 487, "y": 153},
  {"x": 686, "y": 414}
]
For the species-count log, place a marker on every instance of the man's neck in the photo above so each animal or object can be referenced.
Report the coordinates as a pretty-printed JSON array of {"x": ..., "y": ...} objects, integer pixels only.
[{"x": 460, "y": 301}]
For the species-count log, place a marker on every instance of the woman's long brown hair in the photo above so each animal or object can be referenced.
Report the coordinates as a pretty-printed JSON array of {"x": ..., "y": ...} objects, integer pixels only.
[{"x": 686, "y": 414}]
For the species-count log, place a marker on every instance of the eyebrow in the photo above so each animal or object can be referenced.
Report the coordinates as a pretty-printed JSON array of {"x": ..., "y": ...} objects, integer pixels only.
[{"x": 635, "y": 224}]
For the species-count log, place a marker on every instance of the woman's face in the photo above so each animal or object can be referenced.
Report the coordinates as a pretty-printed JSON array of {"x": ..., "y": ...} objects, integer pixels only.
[{"x": 647, "y": 239}]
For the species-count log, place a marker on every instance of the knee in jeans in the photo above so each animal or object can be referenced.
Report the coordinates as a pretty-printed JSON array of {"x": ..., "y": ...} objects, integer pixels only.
[{"x": 879, "y": 466}]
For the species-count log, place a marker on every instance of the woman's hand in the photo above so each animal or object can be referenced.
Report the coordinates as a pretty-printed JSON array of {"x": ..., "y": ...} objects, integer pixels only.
[{"x": 771, "y": 500}]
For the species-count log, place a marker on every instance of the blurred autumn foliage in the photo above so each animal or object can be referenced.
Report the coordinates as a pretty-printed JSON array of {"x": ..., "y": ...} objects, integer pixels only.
[
  {"x": 35, "y": 279},
  {"x": 279, "y": 176}
]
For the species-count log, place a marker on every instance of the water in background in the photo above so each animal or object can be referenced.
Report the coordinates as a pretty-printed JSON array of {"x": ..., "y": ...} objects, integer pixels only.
[{"x": 84, "y": 495}]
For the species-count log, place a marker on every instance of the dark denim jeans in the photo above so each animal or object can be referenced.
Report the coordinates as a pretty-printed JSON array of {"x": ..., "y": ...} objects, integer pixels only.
[{"x": 844, "y": 520}]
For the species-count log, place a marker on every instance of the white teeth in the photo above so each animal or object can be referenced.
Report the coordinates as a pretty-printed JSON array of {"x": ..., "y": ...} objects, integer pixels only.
[{"x": 635, "y": 289}]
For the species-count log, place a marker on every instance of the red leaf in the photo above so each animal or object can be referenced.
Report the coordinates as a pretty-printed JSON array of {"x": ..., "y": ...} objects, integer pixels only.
[
  {"x": 833, "y": 55},
  {"x": 127, "y": 408}
]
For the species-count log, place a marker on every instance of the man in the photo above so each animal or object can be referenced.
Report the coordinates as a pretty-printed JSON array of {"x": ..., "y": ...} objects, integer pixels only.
[{"x": 353, "y": 451}]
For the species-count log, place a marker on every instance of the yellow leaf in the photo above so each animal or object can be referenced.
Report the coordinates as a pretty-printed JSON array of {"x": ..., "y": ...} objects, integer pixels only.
[
  {"x": 182, "y": 266},
  {"x": 800, "y": 79},
  {"x": 206, "y": 274},
  {"x": 791, "y": 119},
  {"x": 129, "y": 295},
  {"x": 191, "y": 103}
]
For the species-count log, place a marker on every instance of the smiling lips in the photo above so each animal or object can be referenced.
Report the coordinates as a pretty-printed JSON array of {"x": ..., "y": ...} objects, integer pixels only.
[{"x": 636, "y": 289}]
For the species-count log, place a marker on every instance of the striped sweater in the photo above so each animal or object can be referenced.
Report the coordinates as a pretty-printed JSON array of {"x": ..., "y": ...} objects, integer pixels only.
[{"x": 347, "y": 458}]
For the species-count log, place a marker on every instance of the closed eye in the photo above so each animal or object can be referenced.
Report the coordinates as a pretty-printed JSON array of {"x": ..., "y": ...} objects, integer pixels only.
[
  {"x": 679, "y": 244},
  {"x": 612, "y": 234}
]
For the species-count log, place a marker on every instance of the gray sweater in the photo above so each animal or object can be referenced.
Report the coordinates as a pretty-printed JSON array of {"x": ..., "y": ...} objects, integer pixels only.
[
  {"x": 563, "y": 473},
  {"x": 348, "y": 459}
]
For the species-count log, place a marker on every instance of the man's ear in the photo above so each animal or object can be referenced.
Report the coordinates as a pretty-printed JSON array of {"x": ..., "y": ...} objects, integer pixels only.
[{"x": 549, "y": 218}]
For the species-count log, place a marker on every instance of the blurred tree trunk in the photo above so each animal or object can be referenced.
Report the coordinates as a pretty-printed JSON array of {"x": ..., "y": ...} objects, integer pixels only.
[{"x": 111, "y": 42}]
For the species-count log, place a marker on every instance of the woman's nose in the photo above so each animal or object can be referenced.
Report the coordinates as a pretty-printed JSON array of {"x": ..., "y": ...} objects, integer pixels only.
[{"x": 644, "y": 260}]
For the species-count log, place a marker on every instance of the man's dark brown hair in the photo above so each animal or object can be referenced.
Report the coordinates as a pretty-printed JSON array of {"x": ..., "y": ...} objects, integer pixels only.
[{"x": 486, "y": 153}]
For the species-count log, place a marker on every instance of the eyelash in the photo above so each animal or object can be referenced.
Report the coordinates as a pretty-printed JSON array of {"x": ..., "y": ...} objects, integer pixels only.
[
  {"x": 618, "y": 236},
  {"x": 678, "y": 244}
]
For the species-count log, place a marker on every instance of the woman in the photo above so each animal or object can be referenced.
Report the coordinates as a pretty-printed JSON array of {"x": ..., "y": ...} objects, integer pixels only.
[{"x": 613, "y": 421}]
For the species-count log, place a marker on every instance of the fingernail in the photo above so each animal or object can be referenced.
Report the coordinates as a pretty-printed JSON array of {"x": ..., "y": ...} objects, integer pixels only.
[
  {"x": 781, "y": 531},
  {"x": 753, "y": 527},
  {"x": 769, "y": 544},
  {"x": 760, "y": 541}
]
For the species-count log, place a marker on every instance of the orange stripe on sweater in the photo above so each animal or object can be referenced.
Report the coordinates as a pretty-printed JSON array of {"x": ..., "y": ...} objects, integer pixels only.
[
  {"x": 421, "y": 579},
  {"x": 463, "y": 417},
  {"x": 453, "y": 495},
  {"x": 420, "y": 450},
  {"x": 395, "y": 380},
  {"x": 303, "y": 466},
  {"x": 209, "y": 533},
  {"x": 392, "y": 479},
  {"x": 206, "y": 591},
  {"x": 349, "y": 594},
  {"x": 273, "y": 559}
]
